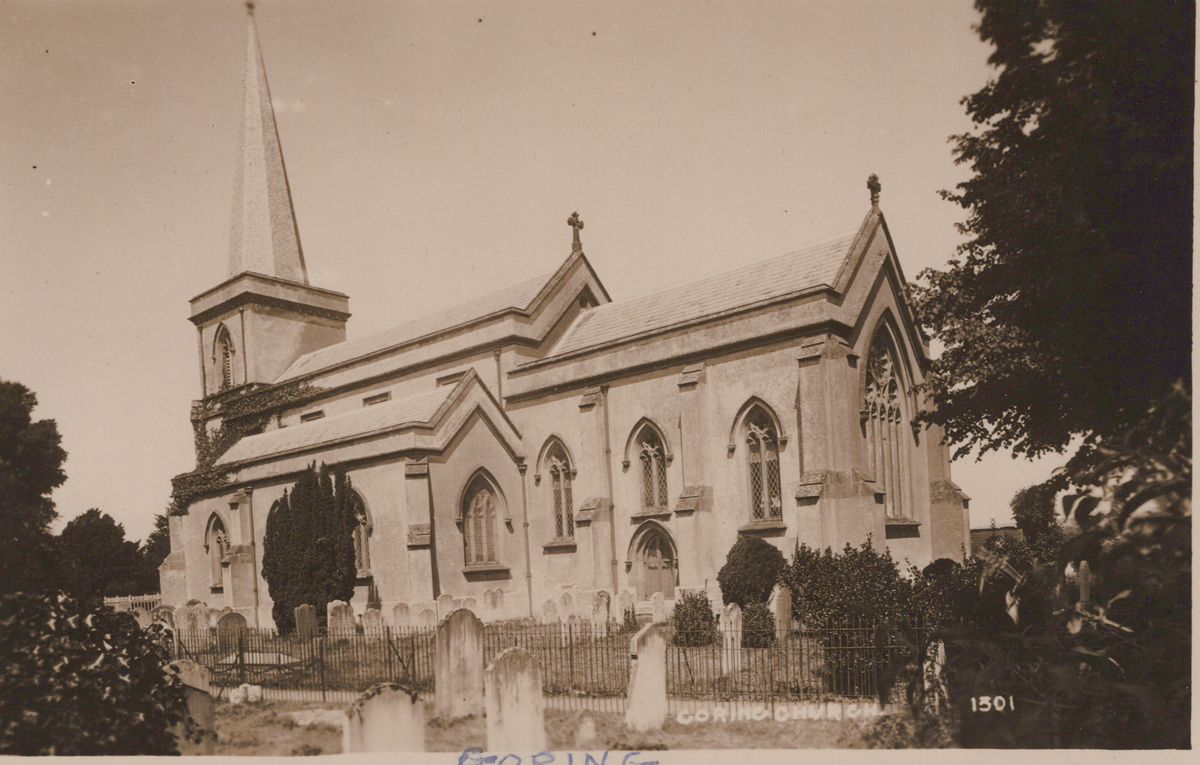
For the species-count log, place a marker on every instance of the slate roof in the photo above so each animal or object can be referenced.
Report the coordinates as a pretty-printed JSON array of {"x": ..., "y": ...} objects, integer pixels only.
[
  {"x": 379, "y": 418},
  {"x": 747, "y": 285},
  {"x": 517, "y": 297}
]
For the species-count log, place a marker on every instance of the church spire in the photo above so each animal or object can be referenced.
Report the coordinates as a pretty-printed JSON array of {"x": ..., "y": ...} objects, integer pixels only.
[{"x": 263, "y": 237}]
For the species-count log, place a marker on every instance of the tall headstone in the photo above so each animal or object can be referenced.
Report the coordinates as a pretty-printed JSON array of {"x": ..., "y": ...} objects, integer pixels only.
[
  {"x": 385, "y": 718},
  {"x": 516, "y": 710},
  {"x": 658, "y": 608},
  {"x": 781, "y": 608},
  {"x": 372, "y": 622},
  {"x": 647, "y": 707},
  {"x": 231, "y": 632},
  {"x": 307, "y": 626},
  {"x": 401, "y": 617},
  {"x": 341, "y": 618},
  {"x": 458, "y": 666},
  {"x": 201, "y": 707},
  {"x": 549, "y": 612},
  {"x": 731, "y": 634}
]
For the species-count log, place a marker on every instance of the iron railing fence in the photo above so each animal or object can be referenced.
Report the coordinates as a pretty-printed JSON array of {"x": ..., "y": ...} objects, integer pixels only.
[{"x": 583, "y": 665}]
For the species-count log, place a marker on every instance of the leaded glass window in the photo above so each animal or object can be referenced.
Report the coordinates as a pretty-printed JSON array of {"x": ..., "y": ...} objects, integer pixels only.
[
  {"x": 762, "y": 454},
  {"x": 882, "y": 423},
  {"x": 654, "y": 470},
  {"x": 479, "y": 525},
  {"x": 560, "y": 487}
]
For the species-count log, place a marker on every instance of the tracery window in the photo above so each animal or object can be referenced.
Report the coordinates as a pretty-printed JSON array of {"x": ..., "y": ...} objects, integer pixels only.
[
  {"x": 362, "y": 534},
  {"x": 560, "y": 488},
  {"x": 653, "y": 456},
  {"x": 882, "y": 417},
  {"x": 216, "y": 545},
  {"x": 480, "y": 541},
  {"x": 762, "y": 456}
]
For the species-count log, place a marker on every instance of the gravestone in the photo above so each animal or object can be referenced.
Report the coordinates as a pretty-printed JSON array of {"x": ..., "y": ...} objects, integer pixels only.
[
  {"x": 385, "y": 718},
  {"x": 458, "y": 666},
  {"x": 516, "y": 710},
  {"x": 143, "y": 617},
  {"x": 201, "y": 706},
  {"x": 573, "y": 628},
  {"x": 426, "y": 618},
  {"x": 549, "y": 612},
  {"x": 372, "y": 622},
  {"x": 602, "y": 606},
  {"x": 624, "y": 603},
  {"x": 471, "y": 605},
  {"x": 585, "y": 734},
  {"x": 731, "y": 634},
  {"x": 192, "y": 618},
  {"x": 341, "y": 618},
  {"x": 307, "y": 627},
  {"x": 445, "y": 604},
  {"x": 781, "y": 607},
  {"x": 567, "y": 605},
  {"x": 164, "y": 615},
  {"x": 658, "y": 608},
  {"x": 401, "y": 617},
  {"x": 494, "y": 599},
  {"x": 647, "y": 707},
  {"x": 231, "y": 631}
]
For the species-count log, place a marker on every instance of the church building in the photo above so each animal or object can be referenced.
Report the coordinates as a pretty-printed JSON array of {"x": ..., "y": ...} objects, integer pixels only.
[{"x": 547, "y": 448}]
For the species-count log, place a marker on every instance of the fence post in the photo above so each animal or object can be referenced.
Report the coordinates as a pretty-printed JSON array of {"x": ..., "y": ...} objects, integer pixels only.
[
  {"x": 321, "y": 666},
  {"x": 241, "y": 660}
]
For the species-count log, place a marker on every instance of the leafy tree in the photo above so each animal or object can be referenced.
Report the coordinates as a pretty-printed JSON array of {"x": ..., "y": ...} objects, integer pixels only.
[
  {"x": 694, "y": 620},
  {"x": 308, "y": 548},
  {"x": 1067, "y": 310},
  {"x": 79, "y": 680},
  {"x": 155, "y": 550},
  {"x": 95, "y": 559},
  {"x": 1033, "y": 510},
  {"x": 752, "y": 568},
  {"x": 31, "y": 461}
]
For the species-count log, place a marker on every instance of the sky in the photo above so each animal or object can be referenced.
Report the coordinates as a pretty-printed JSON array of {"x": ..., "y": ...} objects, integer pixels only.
[{"x": 434, "y": 153}]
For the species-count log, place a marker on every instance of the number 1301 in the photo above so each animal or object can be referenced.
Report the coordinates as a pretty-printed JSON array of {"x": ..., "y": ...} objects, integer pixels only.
[{"x": 992, "y": 703}]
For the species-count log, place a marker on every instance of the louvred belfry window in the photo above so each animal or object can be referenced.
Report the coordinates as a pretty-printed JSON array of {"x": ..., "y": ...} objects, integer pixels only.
[
  {"x": 560, "y": 487},
  {"x": 225, "y": 349},
  {"x": 762, "y": 453},
  {"x": 654, "y": 470},
  {"x": 479, "y": 525},
  {"x": 882, "y": 417}
]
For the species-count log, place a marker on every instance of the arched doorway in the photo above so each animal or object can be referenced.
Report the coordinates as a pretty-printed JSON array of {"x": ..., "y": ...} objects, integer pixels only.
[{"x": 655, "y": 564}]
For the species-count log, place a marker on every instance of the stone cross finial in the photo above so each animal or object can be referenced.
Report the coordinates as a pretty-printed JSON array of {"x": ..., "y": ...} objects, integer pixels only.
[
  {"x": 575, "y": 223},
  {"x": 873, "y": 185}
]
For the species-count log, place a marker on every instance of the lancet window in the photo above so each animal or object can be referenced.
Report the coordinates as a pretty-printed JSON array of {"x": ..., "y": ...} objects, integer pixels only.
[
  {"x": 882, "y": 416},
  {"x": 216, "y": 545},
  {"x": 653, "y": 456},
  {"x": 560, "y": 487},
  {"x": 762, "y": 456},
  {"x": 480, "y": 541},
  {"x": 224, "y": 354}
]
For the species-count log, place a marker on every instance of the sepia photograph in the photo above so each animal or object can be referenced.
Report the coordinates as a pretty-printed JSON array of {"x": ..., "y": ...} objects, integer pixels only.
[{"x": 526, "y": 382}]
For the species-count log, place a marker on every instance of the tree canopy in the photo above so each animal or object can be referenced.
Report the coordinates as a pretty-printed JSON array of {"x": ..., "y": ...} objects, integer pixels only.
[
  {"x": 31, "y": 460},
  {"x": 95, "y": 559},
  {"x": 1068, "y": 309},
  {"x": 308, "y": 548}
]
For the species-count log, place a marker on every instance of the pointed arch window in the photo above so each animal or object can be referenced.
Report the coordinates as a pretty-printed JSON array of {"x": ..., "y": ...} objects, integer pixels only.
[
  {"x": 216, "y": 544},
  {"x": 480, "y": 509},
  {"x": 653, "y": 456},
  {"x": 561, "y": 475},
  {"x": 882, "y": 416},
  {"x": 362, "y": 535},
  {"x": 762, "y": 457},
  {"x": 223, "y": 355}
]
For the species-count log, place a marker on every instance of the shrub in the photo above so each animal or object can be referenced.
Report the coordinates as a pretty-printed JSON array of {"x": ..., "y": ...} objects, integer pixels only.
[
  {"x": 695, "y": 623},
  {"x": 758, "y": 626},
  {"x": 629, "y": 620},
  {"x": 82, "y": 681},
  {"x": 857, "y": 582},
  {"x": 751, "y": 570}
]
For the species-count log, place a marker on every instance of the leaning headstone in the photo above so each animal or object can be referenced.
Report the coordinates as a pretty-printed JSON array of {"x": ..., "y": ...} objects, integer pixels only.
[
  {"x": 549, "y": 612},
  {"x": 516, "y": 710},
  {"x": 201, "y": 707},
  {"x": 306, "y": 622},
  {"x": 458, "y": 666},
  {"x": 385, "y": 718},
  {"x": 341, "y": 618},
  {"x": 781, "y": 607},
  {"x": 658, "y": 608},
  {"x": 647, "y": 708},
  {"x": 401, "y": 617},
  {"x": 731, "y": 633}
]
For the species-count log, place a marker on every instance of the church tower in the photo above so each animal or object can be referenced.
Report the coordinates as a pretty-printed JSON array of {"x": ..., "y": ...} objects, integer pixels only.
[{"x": 265, "y": 315}]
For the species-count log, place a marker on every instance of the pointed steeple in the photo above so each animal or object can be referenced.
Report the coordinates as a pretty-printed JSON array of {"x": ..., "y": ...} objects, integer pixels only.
[{"x": 263, "y": 238}]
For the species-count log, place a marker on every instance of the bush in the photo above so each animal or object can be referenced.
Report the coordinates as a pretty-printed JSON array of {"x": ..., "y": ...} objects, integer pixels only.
[
  {"x": 758, "y": 626},
  {"x": 857, "y": 582},
  {"x": 78, "y": 681},
  {"x": 752, "y": 568},
  {"x": 695, "y": 623},
  {"x": 629, "y": 620}
]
